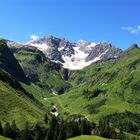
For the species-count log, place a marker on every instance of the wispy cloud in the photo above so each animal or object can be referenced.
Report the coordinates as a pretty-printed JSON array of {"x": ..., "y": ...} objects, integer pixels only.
[
  {"x": 34, "y": 37},
  {"x": 132, "y": 30}
]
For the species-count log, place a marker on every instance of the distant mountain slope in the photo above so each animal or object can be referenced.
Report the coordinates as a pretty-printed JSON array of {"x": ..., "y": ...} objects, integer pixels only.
[
  {"x": 41, "y": 71},
  {"x": 10, "y": 64}
]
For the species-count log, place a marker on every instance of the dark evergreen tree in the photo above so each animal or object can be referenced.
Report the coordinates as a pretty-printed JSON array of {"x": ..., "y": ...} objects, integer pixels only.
[
  {"x": 1, "y": 129},
  {"x": 121, "y": 135},
  {"x": 72, "y": 129},
  {"x": 101, "y": 126},
  {"x": 85, "y": 127},
  {"x": 56, "y": 133},
  {"x": 46, "y": 118},
  {"x": 76, "y": 129},
  {"x": 52, "y": 129},
  {"x": 69, "y": 131},
  {"x": 14, "y": 131},
  {"x": 38, "y": 132},
  {"x": 49, "y": 135},
  {"x": 7, "y": 131},
  {"x": 105, "y": 129},
  {"x": 62, "y": 131},
  {"x": 26, "y": 134}
]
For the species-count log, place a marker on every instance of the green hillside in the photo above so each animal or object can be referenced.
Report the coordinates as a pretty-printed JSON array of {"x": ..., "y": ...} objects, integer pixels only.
[
  {"x": 16, "y": 103},
  {"x": 9, "y": 63},
  {"x": 22, "y": 95},
  {"x": 40, "y": 71},
  {"x": 84, "y": 137},
  {"x": 4, "y": 138},
  {"x": 105, "y": 88}
]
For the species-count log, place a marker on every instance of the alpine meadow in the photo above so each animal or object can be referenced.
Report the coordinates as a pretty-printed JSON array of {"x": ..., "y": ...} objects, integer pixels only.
[{"x": 52, "y": 88}]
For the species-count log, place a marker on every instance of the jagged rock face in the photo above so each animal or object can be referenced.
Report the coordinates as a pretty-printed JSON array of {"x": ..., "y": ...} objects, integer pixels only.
[
  {"x": 81, "y": 45},
  {"x": 103, "y": 51},
  {"x": 54, "y": 54},
  {"x": 54, "y": 48},
  {"x": 49, "y": 40},
  {"x": 66, "y": 48},
  {"x": 74, "y": 55}
]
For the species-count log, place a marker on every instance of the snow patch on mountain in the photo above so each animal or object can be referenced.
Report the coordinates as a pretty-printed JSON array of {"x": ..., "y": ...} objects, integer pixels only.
[
  {"x": 77, "y": 61},
  {"x": 92, "y": 45},
  {"x": 43, "y": 47},
  {"x": 61, "y": 48}
]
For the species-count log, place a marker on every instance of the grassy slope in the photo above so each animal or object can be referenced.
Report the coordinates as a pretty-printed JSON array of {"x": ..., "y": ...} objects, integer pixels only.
[
  {"x": 86, "y": 137},
  {"x": 40, "y": 70},
  {"x": 119, "y": 80},
  {"x": 4, "y": 138},
  {"x": 15, "y": 105}
]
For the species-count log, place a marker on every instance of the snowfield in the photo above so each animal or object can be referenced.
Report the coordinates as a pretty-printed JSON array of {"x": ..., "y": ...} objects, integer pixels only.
[
  {"x": 76, "y": 61},
  {"x": 42, "y": 47}
]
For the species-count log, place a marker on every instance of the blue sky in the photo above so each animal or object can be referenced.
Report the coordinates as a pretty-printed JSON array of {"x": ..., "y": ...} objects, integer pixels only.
[{"x": 115, "y": 21}]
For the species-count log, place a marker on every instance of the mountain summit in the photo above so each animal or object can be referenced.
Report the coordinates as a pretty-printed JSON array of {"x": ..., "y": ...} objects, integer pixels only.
[{"x": 75, "y": 55}]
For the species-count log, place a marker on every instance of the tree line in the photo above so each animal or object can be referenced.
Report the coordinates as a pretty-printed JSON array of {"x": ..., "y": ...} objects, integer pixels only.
[{"x": 56, "y": 128}]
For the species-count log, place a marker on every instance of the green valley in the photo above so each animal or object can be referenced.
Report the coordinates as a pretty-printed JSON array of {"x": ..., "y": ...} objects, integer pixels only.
[{"x": 41, "y": 98}]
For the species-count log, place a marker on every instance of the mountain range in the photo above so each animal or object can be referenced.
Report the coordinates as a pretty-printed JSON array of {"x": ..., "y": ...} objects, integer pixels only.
[
  {"x": 72, "y": 55},
  {"x": 64, "y": 79}
]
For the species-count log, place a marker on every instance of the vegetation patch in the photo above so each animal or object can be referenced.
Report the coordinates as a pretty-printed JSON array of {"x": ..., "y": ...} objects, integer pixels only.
[
  {"x": 94, "y": 107},
  {"x": 127, "y": 121},
  {"x": 92, "y": 94}
]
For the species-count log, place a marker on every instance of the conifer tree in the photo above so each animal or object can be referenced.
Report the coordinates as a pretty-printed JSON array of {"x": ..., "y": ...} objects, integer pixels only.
[
  {"x": 56, "y": 133},
  {"x": 14, "y": 131},
  {"x": 84, "y": 127},
  {"x": 1, "y": 129},
  {"x": 26, "y": 133},
  {"x": 38, "y": 132},
  {"x": 7, "y": 131},
  {"x": 46, "y": 118},
  {"x": 121, "y": 135},
  {"x": 62, "y": 133}
]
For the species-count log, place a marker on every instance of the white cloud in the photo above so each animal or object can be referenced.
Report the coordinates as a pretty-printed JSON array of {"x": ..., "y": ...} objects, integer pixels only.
[
  {"x": 132, "y": 30},
  {"x": 34, "y": 37}
]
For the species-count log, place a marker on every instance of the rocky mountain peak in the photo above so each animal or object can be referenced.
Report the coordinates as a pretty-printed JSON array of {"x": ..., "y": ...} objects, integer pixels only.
[
  {"x": 82, "y": 43},
  {"x": 75, "y": 55}
]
